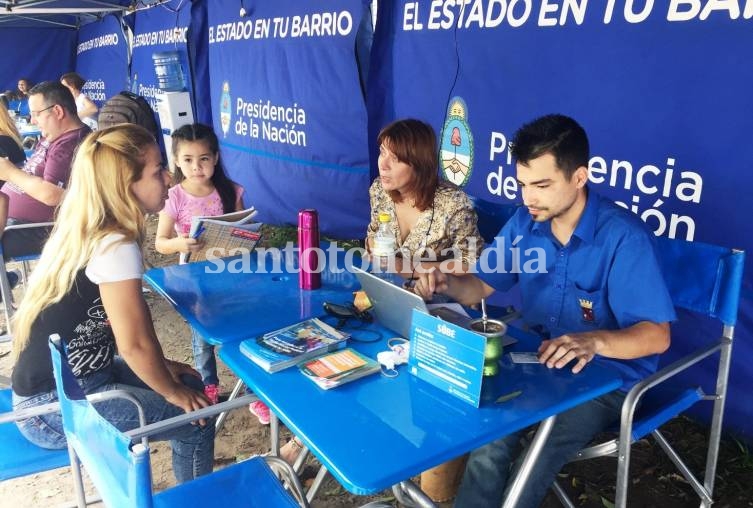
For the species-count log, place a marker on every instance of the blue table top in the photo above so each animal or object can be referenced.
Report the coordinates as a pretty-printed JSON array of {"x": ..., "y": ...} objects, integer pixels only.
[
  {"x": 226, "y": 307},
  {"x": 377, "y": 431}
]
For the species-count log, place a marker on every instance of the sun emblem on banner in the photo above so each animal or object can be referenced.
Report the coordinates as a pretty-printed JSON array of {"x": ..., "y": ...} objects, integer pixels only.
[
  {"x": 225, "y": 108},
  {"x": 456, "y": 149}
]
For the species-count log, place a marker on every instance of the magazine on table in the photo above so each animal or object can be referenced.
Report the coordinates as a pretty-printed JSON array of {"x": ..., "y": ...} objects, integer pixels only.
[
  {"x": 293, "y": 344},
  {"x": 223, "y": 234},
  {"x": 337, "y": 368}
]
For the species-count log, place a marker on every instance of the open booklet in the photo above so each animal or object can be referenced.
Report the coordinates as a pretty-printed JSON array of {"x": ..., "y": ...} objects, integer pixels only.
[{"x": 223, "y": 235}]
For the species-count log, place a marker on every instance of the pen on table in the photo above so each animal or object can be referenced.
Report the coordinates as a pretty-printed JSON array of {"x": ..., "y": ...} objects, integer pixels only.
[{"x": 508, "y": 396}]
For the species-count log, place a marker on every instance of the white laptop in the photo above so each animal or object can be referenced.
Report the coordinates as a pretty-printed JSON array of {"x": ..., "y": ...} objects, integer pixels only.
[{"x": 393, "y": 306}]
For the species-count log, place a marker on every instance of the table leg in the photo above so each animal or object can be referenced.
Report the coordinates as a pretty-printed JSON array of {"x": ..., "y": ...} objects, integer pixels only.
[
  {"x": 320, "y": 475},
  {"x": 539, "y": 440},
  {"x": 221, "y": 418},
  {"x": 274, "y": 434}
]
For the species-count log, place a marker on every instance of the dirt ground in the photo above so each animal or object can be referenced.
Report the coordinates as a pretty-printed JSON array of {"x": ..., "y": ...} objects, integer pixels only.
[{"x": 654, "y": 482}]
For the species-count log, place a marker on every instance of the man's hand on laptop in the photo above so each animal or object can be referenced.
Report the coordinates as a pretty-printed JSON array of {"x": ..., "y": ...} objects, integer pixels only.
[{"x": 429, "y": 282}]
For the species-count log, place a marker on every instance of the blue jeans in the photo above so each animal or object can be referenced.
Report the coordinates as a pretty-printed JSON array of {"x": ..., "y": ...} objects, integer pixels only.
[
  {"x": 204, "y": 359},
  {"x": 485, "y": 481},
  {"x": 192, "y": 445}
]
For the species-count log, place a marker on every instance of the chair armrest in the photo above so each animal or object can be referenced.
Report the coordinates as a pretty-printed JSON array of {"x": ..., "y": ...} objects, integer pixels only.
[
  {"x": 177, "y": 421},
  {"x": 30, "y": 225},
  {"x": 119, "y": 394},
  {"x": 286, "y": 472},
  {"x": 636, "y": 393},
  {"x": 22, "y": 414},
  {"x": 54, "y": 407}
]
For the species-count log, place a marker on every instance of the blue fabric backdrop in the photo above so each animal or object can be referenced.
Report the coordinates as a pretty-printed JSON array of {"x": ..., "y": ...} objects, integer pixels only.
[
  {"x": 664, "y": 93},
  {"x": 40, "y": 54},
  {"x": 289, "y": 110},
  {"x": 102, "y": 58},
  {"x": 161, "y": 28}
]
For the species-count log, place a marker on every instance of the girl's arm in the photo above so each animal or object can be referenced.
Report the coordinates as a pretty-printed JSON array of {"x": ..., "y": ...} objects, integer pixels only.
[
  {"x": 137, "y": 343},
  {"x": 167, "y": 242},
  {"x": 90, "y": 109},
  {"x": 238, "y": 198}
]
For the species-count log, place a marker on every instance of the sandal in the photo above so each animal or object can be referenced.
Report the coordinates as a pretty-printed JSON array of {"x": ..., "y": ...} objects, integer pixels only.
[{"x": 290, "y": 450}]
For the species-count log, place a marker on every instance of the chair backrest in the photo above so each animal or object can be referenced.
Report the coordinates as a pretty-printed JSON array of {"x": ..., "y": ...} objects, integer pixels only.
[
  {"x": 119, "y": 469},
  {"x": 492, "y": 216},
  {"x": 703, "y": 278}
]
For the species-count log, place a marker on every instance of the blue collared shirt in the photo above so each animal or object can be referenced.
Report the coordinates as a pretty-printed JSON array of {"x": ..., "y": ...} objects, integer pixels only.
[{"x": 606, "y": 277}]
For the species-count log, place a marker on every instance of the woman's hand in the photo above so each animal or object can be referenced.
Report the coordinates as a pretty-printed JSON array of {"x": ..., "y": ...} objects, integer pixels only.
[
  {"x": 188, "y": 400},
  {"x": 178, "y": 368}
]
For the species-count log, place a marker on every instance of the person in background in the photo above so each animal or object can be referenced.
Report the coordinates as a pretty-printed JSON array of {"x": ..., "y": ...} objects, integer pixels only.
[
  {"x": 24, "y": 88},
  {"x": 32, "y": 193},
  {"x": 87, "y": 289},
  {"x": 432, "y": 219},
  {"x": 10, "y": 140},
  {"x": 202, "y": 189},
  {"x": 599, "y": 298},
  {"x": 85, "y": 108}
]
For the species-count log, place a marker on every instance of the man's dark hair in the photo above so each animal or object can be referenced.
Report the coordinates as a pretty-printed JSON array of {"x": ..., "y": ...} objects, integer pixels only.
[
  {"x": 54, "y": 92},
  {"x": 558, "y": 135}
]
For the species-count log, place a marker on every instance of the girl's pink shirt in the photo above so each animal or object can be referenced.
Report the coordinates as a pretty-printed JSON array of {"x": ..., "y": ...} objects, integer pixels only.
[{"x": 181, "y": 206}]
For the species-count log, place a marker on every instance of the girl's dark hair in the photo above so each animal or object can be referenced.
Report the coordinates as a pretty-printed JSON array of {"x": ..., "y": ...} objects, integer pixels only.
[
  {"x": 200, "y": 132},
  {"x": 74, "y": 79}
]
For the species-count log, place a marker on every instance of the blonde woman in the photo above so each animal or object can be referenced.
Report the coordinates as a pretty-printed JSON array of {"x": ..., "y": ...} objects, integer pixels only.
[
  {"x": 10, "y": 140},
  {"x": 87, "y": 288}
]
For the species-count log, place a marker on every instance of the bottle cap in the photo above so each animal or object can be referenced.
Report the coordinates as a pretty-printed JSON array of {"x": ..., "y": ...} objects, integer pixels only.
[
  {"x": 308, "y": 219},
  {"x": 384, "y": 217}
]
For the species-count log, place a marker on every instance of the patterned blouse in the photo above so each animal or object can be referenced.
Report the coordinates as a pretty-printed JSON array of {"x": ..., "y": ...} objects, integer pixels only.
[{"x": 452, "y": 232}]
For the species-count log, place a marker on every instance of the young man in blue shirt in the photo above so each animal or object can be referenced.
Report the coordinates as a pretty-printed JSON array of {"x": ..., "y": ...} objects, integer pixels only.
[{"x": 595, "y": 293}]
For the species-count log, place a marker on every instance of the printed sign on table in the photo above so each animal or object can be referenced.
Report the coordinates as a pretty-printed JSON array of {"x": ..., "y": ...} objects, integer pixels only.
[{"x": 448, "y": 356}]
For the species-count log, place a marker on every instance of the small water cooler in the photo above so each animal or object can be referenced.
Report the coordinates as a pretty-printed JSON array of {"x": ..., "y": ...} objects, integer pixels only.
[{"x": 174, "y": 110}]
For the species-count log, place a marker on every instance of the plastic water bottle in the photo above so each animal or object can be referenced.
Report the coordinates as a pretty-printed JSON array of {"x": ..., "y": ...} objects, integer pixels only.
[
  {"x": 309, "y": 276},
  {"x": 384, "y": 247},
  {"x": 169, "y": 71}
]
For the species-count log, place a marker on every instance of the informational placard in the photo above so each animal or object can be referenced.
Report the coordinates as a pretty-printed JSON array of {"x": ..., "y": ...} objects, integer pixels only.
[
  {"x": 448, "y": 356},
  {"x": 289, "y": 111},
  {"x": 102, "y": 59}
]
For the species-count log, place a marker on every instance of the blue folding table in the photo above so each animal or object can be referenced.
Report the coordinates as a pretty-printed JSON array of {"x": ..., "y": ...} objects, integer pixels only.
[{"x": 377, "y": 431}]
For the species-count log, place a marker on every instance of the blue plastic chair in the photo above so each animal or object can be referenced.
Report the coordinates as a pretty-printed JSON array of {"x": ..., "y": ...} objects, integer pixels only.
[
  {"x": 118, "y": 463},
  {"x": 5, "y": 289},
  {"x": 18, "y": 456},
  {"x": 704, "y": 279},
  {"x": 492, "y": 216}
]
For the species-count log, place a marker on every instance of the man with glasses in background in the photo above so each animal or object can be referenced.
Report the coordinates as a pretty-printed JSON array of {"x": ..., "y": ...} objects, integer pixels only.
[{"x": 31, "y": 194}]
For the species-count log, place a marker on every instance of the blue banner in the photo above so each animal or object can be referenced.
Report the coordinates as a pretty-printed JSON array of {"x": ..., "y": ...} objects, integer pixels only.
[
  {"x": 40, "y": 54},
  {"x": 288, "y": 107},
  {"x": 160, "y": 28},
  {"x": 662, "y": 88},
  {"x": 102, "y": 59}
]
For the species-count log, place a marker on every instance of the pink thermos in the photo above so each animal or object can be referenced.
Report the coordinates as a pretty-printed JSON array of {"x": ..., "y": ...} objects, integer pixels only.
[{"x": 308, "y": 245}]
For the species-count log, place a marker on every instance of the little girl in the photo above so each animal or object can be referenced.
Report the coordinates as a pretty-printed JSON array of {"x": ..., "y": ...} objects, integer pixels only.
[{"x": 202, "y": 189}]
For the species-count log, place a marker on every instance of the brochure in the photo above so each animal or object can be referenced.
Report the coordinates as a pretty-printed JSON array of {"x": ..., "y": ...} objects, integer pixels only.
[
  {"x": 293, "y": 344},
  {"x": 340, "y": 367},
  {"x": 223, "y": 235}
]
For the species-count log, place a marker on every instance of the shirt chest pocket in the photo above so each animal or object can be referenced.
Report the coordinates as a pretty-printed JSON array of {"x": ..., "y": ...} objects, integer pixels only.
[{"x": 591, "y": 306}]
